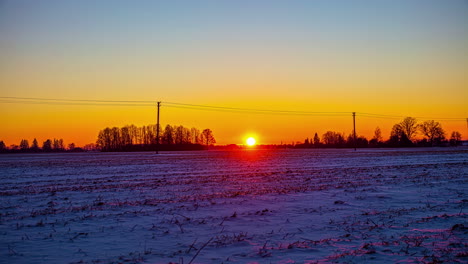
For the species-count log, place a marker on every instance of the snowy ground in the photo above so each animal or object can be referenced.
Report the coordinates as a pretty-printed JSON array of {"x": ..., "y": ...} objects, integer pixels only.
[{"x": 257, "y": 206}]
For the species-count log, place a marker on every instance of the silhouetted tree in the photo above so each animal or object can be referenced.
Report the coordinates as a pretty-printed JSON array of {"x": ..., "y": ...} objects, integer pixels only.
[
  {"x": 328, "y": 138},
  {"x": 361, "y": 141},
  {"x": 433, "y": 131},
  {"x": 377, "y": 139},
  {"x": 455, "y": 138},
  {"x": 207, "y": 137},
  {"x": 398, "y": 137},
  {"x": 58, "y": 144},
  {"x": 181, "y": 135},
  {"x": 377, "y": 135},
  {"x": 409, "y": 126},
  {"x": 90, "y": 147},
  {"x": 3, "y": 147},
  {"x": 168, "y": 135},
  {"x": 116, "y": 142},
  {"x": 133, "y": 131},
  {"x": 178, "y": 135},
  {"x": 333, "y": 139},
  {"x": 137, "y": 135},
  {"x": 104, "y": 139},
  {"x": 187, "y": 136},
  {"x": 396, "y": 131},
  {"x": 195, "y": 135},
  {"x": 144, "y": 138},
  {"x": 151, "y": 134},
  {"x": 24, "y": 145},
  {"x": 35, "y": 145},
  {"x": 316, "y": 140},
  {"x": 126, "y": 137},
  {"x": 14, "y": 147},
  {"x": 47, "y": 145},
  {"x": 71, "y": 146}
]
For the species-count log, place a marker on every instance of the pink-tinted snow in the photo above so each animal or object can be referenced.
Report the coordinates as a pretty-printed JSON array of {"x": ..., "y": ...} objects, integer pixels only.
[{"x": 251, "y": 206}]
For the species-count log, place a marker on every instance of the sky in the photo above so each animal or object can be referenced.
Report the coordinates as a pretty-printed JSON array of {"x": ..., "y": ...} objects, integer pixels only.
[{"x": 398, "y": 58}]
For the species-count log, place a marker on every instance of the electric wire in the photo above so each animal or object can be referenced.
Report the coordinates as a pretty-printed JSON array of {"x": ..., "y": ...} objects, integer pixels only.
[
  {"x": 73, "y": 100},
  {"x": 381, "y": 116},
  {"x": 250, "y": 109},
  {"x": 262, "y": 112},
  {"x": 153, "y": 103},
  {"x": 73, "y": 103}
]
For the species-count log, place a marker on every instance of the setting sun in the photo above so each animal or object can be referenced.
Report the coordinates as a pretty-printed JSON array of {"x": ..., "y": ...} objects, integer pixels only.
[{"x": 251, "y": 141}]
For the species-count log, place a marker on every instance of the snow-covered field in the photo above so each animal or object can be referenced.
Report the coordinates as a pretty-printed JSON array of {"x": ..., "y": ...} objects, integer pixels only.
[{"x": 252, "y": 206}]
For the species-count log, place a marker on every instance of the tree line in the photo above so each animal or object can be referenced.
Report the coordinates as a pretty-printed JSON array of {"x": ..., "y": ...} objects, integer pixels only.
[
  {"x": 49, "y": 145},
  {"x": 127, "y": 138},
  {"x": 133, "y": 138},
  {"x": 406, "y": 133},
  {"x": 403, "y": 134}
]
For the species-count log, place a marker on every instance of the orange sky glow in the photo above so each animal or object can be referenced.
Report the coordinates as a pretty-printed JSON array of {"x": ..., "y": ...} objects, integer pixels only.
[{"x": 395, "y": 58}]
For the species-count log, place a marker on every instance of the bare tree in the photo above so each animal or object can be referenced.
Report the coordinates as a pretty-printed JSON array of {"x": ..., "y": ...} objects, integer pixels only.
[
  {"x": 396, "y": 131},
  {"x": 104, "y": 139},
  {"x": 409, "y": 126},
  {"x": 71, "y": 146},
  {"x": 316, "y": 140},
  {"x": 47, "y": 145},
  {"x": 35, "y": 145},
  {"x": 398, "y": 137},
  {"x": 455, "y": 138},
  {"x": 332, "y": 138},
  {"x": 2, "y": 146},
  {"x": 24, "y": 145},
  {"x": 149, "y": 134},
  {"x": 126, "y": 136},
  {"x": 432, "y": 130},
  {"x": 208, "y": 138},
  {"x": 328, "y": 138},
  {"x": 179, "y": 134},
  {"x": 186, "y": 135},
  {"x": 115, "y": 138},
  {"x": 91, "y": 147},
  {"x": 195, "y": 135},
  {"x": 377, "y": 135},
  {"x": 58, "y": 144},
  {"x": 168, "y": 135},
  {"x": 133, "y": 131}
]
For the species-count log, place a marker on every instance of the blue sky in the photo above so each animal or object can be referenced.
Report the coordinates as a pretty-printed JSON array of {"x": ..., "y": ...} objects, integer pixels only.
[{"x": 391, "y": 57}]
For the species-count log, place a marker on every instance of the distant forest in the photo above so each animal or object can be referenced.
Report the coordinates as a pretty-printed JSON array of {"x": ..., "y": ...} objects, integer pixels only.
[
  {"x": 403, "y": 134},
  {"x": 127, "y": 138},
  {"x": 132, "y": 138}
]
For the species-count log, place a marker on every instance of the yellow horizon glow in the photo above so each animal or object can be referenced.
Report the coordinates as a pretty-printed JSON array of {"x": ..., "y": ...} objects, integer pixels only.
[
  {"x": 411, "y": 64},
  {"x": 81, "y": 124}
]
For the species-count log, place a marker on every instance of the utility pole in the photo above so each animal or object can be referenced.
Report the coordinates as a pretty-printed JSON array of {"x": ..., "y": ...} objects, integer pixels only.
[
  {"x": 157, "y": 130},
  {"x": 354, "y": 130}
]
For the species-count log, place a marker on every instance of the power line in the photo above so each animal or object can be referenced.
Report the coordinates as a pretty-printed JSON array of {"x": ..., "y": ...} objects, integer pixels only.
[
  {"x": 146, "y": 103},
  {"x": 381, "y": 116},
  {"x": 250, "y": 109},
  {"x": 73, "y": 100},
  {"x": 54, "y": 101},
  {"x": 261, "y": 112},
  {"x": 73, "y": 104}
]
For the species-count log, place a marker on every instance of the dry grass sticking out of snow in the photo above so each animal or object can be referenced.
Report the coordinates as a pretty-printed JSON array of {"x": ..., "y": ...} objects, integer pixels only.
[{"x": 258, "y": 206}]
